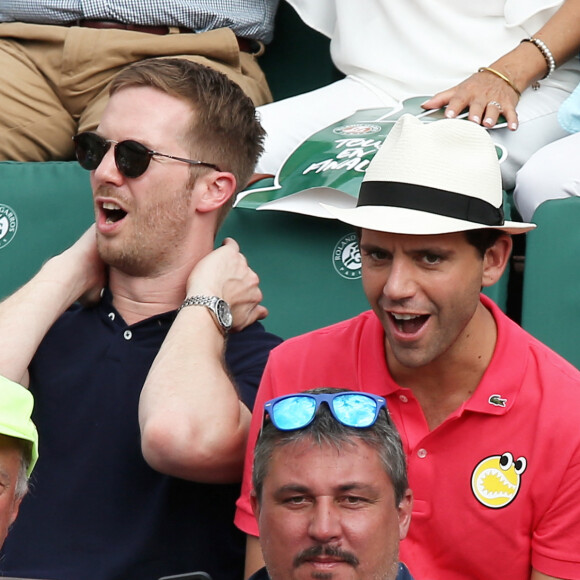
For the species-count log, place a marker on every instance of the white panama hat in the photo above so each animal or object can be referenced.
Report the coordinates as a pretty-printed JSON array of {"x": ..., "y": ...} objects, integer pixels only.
[{"x": 427, "y": 178}]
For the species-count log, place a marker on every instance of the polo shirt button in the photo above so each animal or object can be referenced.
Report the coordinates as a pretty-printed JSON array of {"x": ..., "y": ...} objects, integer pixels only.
[
  {"x": 112, "y": 315},
  {"x": 127, "y": 335},
  {"x": 422, "y": 453},
  {"x": 403, "y": 399}
]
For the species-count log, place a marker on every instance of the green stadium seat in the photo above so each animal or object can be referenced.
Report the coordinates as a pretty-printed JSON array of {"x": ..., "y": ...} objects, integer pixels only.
[
  {"x": 298, "y": 58},
  {"x": 309, "y": 268},
  {"x": 44, "y": 207},
  {"x": 551, "y": 287}
]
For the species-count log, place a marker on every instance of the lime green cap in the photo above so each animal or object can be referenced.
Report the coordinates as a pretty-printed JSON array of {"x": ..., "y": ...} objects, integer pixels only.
[{"x": 16, "y": 404}]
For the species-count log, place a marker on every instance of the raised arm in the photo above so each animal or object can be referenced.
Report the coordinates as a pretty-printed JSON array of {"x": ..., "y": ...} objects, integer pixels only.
[
  {"x": 193, "y": 423},
  {"x": 521, "y": 67},
  {"x": 27, "y": 315}
]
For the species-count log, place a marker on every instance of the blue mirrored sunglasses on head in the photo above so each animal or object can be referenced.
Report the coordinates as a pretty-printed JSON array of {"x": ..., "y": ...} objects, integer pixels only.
[{"x": 351, "y": 408}]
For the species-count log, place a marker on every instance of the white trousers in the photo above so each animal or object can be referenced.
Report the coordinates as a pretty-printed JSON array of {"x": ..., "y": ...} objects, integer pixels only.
[
  {"x": 290, "y": 121},
  {"x": 551, "y": 173}
]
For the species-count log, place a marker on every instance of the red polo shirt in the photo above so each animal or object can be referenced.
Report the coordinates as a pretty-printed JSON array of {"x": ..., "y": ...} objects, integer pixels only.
[{"x": 496, "y": 485}]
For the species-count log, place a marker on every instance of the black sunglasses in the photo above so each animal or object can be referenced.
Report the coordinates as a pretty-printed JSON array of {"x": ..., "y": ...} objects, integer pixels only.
[{"x": 131, "y": 158}]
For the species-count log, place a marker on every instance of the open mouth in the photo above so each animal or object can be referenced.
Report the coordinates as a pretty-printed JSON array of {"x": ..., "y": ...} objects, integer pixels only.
[
  {"x": 409, "y": 323},
  {"x": 113, "y": 212}
]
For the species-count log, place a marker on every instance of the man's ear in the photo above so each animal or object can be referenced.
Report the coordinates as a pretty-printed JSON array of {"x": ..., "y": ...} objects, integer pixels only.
[
  {"x": 255, "y": 504},
  {"x": 15, "y": 508},
  {"x": 217, "y": 189},
  {"x": 496, "y": 260},
  {"x": 405, "y": 511}
]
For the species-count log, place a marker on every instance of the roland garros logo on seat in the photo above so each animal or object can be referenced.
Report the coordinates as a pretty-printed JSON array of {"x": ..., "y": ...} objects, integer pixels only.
[
  {"x": 8, "y": 225},
  {"x": 346, "y": 257}
]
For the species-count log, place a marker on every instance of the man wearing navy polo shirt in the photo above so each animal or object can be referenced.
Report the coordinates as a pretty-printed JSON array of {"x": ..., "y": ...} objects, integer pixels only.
[{"x": 143, "y": 395}]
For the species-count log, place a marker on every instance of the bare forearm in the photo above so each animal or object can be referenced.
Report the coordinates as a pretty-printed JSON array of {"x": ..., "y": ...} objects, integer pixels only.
[
  {"x": 562, "y": 32},
  {"x": 525, "y": 64},
  {"x": 27, "y": 315},
  {"x": 496, "y": 88},
  {"x": 193, "y": 424}
]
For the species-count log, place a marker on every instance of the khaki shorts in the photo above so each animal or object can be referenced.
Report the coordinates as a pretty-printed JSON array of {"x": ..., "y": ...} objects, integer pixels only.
[{"x": 55, "y": 78}]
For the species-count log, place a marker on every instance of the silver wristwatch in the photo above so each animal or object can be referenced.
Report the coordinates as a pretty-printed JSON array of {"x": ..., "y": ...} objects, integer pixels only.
[{"x": 220, "y": 309}]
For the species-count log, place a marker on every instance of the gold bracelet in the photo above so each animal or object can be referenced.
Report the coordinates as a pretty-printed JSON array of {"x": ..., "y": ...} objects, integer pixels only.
[{"x": 501, "y": 76}]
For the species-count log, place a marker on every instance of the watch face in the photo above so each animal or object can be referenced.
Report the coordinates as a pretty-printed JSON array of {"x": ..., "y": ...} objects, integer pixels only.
[{"x": 224, "y": 314}]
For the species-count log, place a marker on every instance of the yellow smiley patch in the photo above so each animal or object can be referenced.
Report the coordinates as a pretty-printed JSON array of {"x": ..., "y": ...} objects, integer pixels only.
[{"x": 496, "y": 480}]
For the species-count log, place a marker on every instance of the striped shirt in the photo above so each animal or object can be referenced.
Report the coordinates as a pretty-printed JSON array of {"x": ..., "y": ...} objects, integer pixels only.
[{"x": 247, "y": 18}]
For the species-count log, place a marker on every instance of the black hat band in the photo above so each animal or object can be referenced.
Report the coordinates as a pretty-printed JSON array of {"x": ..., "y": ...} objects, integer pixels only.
[{"x": 431, "y": 200}]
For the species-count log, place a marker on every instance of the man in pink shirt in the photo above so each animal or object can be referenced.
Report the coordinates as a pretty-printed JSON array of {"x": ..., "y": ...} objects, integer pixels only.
[{"x": 487, "y": 414}]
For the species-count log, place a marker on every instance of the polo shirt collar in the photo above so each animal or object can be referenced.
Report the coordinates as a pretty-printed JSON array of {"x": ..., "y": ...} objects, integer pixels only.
[
  {"x": 109, "y": 312},
  {"x": 500, "y": 384}
]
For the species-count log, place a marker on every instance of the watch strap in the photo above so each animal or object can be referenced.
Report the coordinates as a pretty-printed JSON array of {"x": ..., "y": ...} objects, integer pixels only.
[{"x": 210, "y": 302}]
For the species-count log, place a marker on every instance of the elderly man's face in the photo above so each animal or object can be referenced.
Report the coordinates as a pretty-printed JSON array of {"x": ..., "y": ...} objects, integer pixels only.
[
  {"x": 10, "y": 458},
  {"x": 330, "y": 514}
]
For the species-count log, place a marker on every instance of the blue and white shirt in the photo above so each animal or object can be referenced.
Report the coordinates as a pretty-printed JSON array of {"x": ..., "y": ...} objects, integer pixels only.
[{"x": 247, "y": 18}]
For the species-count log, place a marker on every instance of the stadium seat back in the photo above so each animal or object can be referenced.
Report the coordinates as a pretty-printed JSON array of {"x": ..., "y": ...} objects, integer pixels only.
[{"x": 551, "y": 289}]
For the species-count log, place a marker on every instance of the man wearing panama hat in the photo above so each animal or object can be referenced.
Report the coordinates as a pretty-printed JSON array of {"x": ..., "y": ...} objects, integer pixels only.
[
  {"x": 488, "y": 415},
  {"x": 18, "y": 450}
]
